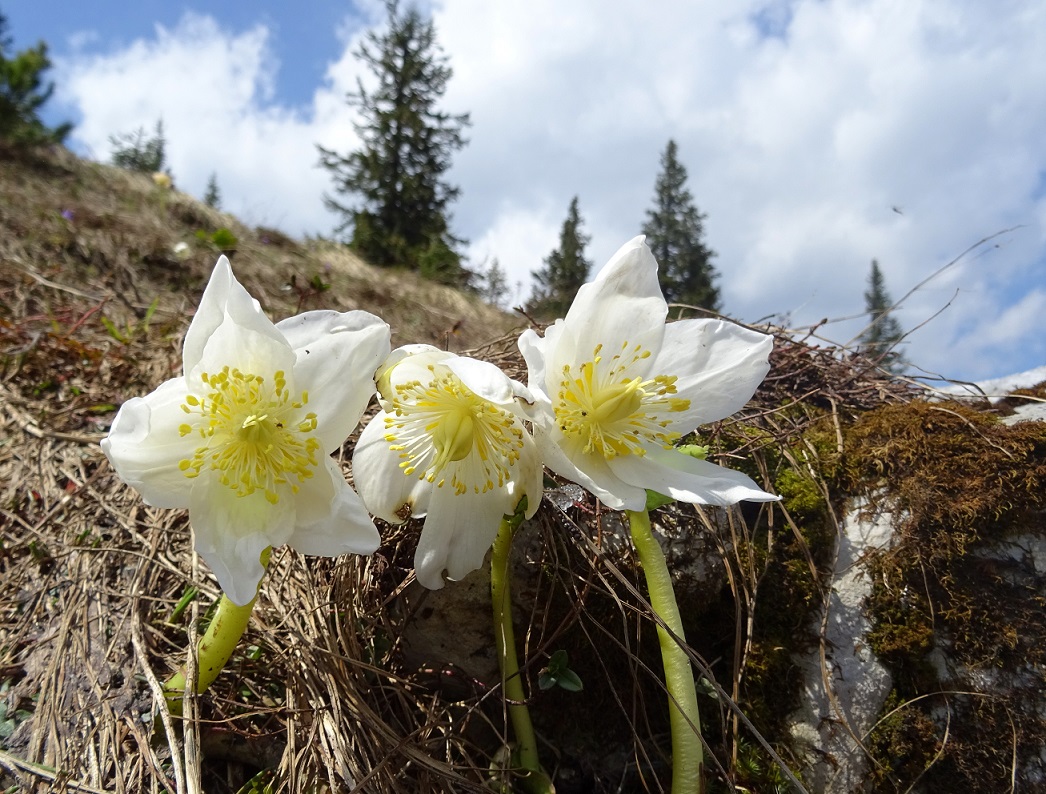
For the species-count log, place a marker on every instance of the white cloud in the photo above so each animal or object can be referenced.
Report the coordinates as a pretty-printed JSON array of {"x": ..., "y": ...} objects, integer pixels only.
[
  {"x": 214, "y": 91},
  {"x": 802, "y": 124}
]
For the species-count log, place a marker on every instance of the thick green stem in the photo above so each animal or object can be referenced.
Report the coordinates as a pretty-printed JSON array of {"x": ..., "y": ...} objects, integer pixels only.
[
  {"x": 535, "y": 779},
  {"x": 687, "y": 751},
  {"x": 216, "y": 646}
]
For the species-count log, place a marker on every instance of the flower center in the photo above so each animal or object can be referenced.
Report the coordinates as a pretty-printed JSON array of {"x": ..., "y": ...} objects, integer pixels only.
[
  {"x": 445, "y": 433},
  {"x": 613, "y": 412},
  {"x": 253, "y": 434}
]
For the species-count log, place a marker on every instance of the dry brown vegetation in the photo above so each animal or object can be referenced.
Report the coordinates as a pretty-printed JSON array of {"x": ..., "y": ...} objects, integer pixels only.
[{"x": 351, "y": 678}]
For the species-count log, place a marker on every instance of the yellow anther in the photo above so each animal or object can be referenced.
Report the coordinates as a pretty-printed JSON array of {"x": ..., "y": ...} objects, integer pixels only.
[
  {"x": 614, "y": 411},
  {"x": 254, "y": 435},
  {"x": 444, "y": 433}
]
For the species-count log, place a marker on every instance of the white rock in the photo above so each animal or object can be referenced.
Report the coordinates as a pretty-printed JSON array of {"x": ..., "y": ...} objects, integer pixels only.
[{"x": 827, "y": 722}]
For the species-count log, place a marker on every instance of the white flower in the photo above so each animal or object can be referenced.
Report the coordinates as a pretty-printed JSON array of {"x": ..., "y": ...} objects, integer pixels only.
[
  {"x": 614, "y": 387},
  {"x": 242, "y": 439},
  {"x": 449, "y": 445}
]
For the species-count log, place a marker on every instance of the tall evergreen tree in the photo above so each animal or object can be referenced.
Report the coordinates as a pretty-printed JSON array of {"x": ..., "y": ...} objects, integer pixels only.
[
  {"x": 564, "y": 271},
  {"x": 879, "y": 340},
  {"x": 23, "y": 93},
  {"x": 401, "y": 215},
  {"x": 674, "y": 231}
]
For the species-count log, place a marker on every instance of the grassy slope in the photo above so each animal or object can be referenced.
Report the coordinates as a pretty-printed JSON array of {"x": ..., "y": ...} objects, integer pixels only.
[{"x": 116, "y": 242}]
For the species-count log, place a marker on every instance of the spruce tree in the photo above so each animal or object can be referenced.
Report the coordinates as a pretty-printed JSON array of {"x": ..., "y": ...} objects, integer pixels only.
[
  {"x": 398, "y": 174},
  {"x": 212, "y": 197},
  {"x": 879, "y": 340},
  {"x": 674, "y": 231},
  {"x": 564, "y": 271},
  {"x": 495, "y": 286},
  {"x": 23, "y": 93},
  {"x": 136, "y": 151}
]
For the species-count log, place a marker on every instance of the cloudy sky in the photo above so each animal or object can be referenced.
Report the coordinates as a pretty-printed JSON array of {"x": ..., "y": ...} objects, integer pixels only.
[{"x": 818, "y": 134}]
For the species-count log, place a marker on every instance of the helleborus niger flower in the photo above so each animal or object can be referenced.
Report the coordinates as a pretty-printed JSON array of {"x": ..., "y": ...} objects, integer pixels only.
[
  {"x": 615, "y": 387},
  {"x": 448, "y": 445},
  {"x": 242, "y": 438}
]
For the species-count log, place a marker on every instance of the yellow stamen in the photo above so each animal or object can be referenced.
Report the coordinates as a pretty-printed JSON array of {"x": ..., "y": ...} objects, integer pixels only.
[
  {"x": 254, "y": 435},
  {"x": 613, "y": 413},
  {"x": 444, "y": 433}
]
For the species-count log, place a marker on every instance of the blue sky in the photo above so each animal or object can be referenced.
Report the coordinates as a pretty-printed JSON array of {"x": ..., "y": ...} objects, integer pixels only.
[
  {"x": 109, "y": 25},
  {"x": 817, "y": 134}
]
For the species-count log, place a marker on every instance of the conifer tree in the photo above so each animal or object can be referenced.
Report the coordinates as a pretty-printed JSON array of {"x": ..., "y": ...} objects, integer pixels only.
[
  {"x": 397, "y": 176},
  {"x": 564, "y": 271},
  {"x": 212, "y": 197},
  {"x": 674, "y": 231},
  {"x": 136, "y": 151},
  {"x": 23, "y": 93},
  {"x": 495, "y": 286},
  {"x": 879, "y": 340}
]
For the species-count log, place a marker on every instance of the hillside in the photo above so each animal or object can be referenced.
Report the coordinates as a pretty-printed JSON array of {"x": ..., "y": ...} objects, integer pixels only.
[
  {"x": 109, "y": 236},
  {"x": 882, "y": 628}
]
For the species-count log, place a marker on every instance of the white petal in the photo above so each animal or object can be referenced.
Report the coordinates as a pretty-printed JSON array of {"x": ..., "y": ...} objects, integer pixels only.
[
  {"x": 487, "y": 380},
  {"x": 386, "y": 491},
  {"x": 223, "y": 298},
  {"x": 719, "y": 365},
  {"x": 404, "y": 364},
  {"x": 337, "y": 355},
  {"x": 343, "y": 526},
  {"x": 235, "y": 345},
  {"x": 688, "y": 479},
  {"x": 458, "y": 532},
  {"x": 145, "y": 447},
  {"x": 564, "y": 457},
  {"x": 528, "y": 477},
  {"x": 232, "y": 532},
  {"x": 533, "y": 349},
  {"x": 623, "y": 304}
]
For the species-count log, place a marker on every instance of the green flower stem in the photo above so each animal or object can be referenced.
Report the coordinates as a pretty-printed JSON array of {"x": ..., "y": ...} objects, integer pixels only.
[
  {"x": 216, "y": 646},
  {"x": 687, "y": 752},
  {"x": 535, "y": 779}
]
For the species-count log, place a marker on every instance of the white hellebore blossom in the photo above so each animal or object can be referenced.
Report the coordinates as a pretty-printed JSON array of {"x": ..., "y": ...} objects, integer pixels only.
[
  {"x": 449, "y": 445},
  {"x": 243, "y": 438},
  {"x": 615, "y": 387}
]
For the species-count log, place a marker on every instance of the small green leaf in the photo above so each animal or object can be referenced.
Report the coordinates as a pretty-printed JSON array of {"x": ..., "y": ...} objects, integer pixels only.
[
  {"x": 114, "y": 332},
  {"x": 704, "y": 686},
  {"x": 558, "y": 661},
  {"x": 570, "y": 681},
  {"x": 655, "y": 500},
  {"x": 150, "y": 311},
  {"x": 694, "y": 451},
  {"x": 558, "y": 673},
  {"x": 183, "y": 602}
]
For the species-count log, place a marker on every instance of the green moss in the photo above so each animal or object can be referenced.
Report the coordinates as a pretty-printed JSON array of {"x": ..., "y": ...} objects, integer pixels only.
[
  {"x": 802, "y": 496},
  {"x": 959, "y": 483},
  {"x": 903, "y": 745}
]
